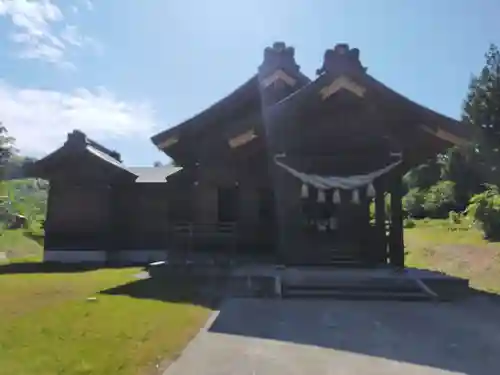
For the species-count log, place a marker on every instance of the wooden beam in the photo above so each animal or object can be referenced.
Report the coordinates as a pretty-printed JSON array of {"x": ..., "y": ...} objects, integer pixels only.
[
  {"x": 444, "y": 135},
  {"x": 340, "y": 83},
  {"x": 278, "y": 75},
  {"x": 242, "y": 138},
  {"x": 168, "y": 142}
]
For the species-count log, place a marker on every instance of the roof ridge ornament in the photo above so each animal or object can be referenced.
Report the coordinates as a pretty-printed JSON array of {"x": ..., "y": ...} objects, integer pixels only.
[
  {"x": 78, "y": 139},
  {"x": 279, "y": 56},
  {"x": 341, "y": 59}
]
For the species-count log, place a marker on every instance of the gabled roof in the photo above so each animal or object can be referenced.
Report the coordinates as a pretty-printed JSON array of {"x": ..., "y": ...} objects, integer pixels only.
[
  {"x": 279, "y": 65},
  {"x": 105, "y": 157},
  {"x": 342, "y": 72},
  {"x": 279, "y": 88},
  {"x": 214, "y": 113},
  {"x": 79, "y": 145}
]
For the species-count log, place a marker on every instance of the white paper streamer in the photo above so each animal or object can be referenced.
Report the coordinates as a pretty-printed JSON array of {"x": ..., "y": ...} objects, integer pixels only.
[
  {"x": 304, "y": 191},
  {"x": 336, "y": 196},
  {"x": 370, "y": 192},
  {"x": 355, "y": 196},
  {"x": 321, "y": 196}
]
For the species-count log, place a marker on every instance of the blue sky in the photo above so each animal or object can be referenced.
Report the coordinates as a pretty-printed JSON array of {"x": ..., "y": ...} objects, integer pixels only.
[{"x": 122, "y": 70}]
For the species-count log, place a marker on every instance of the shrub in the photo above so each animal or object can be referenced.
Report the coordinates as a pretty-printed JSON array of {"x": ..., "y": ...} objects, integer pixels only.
[
  {"x": 409, "y": 223},
  {"x": 484, "y": 209},
  {"x": 440, "y": 199},
  {"x": 413, "y": 203},
  {"x": 455, "y": 217}
]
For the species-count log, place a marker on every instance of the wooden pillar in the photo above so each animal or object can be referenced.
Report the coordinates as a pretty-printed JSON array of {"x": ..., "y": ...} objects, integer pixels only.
[
  {"x": 206, "y": 203},
  {"x": 368, "y": 248},
  {"x": 396, "y": 250},
  {"x": 380, "y": 217},
  {"x": 248, "y": 214},
  {"x": 287, "y": 201}
]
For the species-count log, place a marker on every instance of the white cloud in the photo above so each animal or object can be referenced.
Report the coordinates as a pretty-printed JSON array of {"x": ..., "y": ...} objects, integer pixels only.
[
  {"x": 41, "y": 119},
  {"x": 88, "y": 4},
  {"x": 40, "y": 29},
  {"x": 71, "y": 35}
]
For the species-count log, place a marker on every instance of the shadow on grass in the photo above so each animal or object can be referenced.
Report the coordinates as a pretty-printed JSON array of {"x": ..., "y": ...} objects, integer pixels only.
[
  {"x": 172, "y": 289},
  {"x": 41, "y": 267}
]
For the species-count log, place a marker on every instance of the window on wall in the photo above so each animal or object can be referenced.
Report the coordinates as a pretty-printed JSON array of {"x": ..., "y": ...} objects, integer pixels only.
[{"x": 227, "y": 204}]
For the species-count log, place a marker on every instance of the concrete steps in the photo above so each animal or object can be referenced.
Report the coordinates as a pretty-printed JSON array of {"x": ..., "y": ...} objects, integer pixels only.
[
  {"x": 330, "y": 257},
  {"x": 335, "y": 293},
  {"x": 400, "y": 289}
]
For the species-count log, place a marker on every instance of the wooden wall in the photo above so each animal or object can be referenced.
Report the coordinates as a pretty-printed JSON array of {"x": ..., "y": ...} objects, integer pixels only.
[
  {"x": 253, "y": 232},
  {"x": 152, "y": 222},
  {"x": 78, "y": 216},
  {"x": 88, "y": 211}
]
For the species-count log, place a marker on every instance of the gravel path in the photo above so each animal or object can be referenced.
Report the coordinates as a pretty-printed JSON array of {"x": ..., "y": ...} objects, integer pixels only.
[{"x": 346, "y": 337}]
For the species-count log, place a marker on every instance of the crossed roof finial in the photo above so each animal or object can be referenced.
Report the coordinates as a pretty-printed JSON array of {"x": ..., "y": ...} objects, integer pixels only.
[
  {"x": 279, "y": 56},
  {"x": 341, "y": 58}
]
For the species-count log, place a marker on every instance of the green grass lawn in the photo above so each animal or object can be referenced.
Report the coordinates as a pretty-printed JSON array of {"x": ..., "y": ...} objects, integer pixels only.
[
  {"x": 14, "y": 244},
  {"x": 455, "y": 250},
  {"x": 48, "y": 327}
]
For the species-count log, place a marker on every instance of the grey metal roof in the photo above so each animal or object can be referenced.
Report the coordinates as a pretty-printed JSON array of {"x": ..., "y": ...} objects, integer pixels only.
[
  {"x": 153, "y": 174},
  {"x": 105, "y": 157}
]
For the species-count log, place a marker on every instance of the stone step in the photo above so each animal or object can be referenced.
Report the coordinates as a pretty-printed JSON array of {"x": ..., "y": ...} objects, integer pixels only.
[
  {"x": 355, "y": 294},
  {"x": 343, "y": 262},
  {"x": 353, "y": 286},
  {"x": 342, "y": 284},
  {"x": 327, "y": 261}
]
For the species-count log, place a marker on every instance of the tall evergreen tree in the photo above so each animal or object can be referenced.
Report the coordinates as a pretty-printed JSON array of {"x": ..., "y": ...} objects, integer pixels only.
[
  {"x": 481, "y": 110},
  {"x": 6, "y": 149}
]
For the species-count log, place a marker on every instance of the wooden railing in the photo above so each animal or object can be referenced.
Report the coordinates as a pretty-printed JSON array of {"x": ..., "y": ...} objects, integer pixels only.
[{"x": 193, "y": 234}]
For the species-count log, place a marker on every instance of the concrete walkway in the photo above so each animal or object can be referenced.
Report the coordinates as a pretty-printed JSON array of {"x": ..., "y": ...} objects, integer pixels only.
[{"x": 270, "y": 337}]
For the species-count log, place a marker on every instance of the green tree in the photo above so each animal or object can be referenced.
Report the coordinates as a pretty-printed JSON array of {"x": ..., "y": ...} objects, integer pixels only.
[
  {"x": 460, "y": 165},
  {"x": 6, "y": 149},
  {"x": 413, "y": 203},
  {"x": 440, "y": 199},
  {"x": 423, "y": 176},
  {"x": 484, "y": 209},
  {"x": 481, "y": 110}
]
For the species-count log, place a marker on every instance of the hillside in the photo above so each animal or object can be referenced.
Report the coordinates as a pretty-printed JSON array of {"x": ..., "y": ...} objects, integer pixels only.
[
  {"x": 21, "y": 195},
  {"x": 18, "y": 245},
  {"x": 27, "y": 197}
]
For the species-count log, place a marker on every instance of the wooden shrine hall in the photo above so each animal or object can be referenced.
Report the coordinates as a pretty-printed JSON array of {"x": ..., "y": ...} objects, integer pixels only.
[{"x": 285, "y": 168}]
